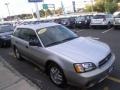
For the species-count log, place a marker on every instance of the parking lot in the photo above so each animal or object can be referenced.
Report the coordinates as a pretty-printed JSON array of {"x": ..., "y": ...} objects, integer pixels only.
[{"x": 109, "y": 36}]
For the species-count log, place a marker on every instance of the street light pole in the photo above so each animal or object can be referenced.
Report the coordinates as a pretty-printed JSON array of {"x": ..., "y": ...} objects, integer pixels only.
[
  {"x": 63, "y": 9},
  {"x": 92, "y": 6},
  {"x": 7, "y": 5},
  {"x": 37, "y": 11}
]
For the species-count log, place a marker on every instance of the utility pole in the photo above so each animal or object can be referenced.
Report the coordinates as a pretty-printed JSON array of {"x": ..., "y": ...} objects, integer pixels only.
[
  {"x": 74, "y": 8},
  {"x": 7, "y": 5},
  {"x": 105, "y": 6},
  {"x": 63, "y": 9},
  {"x": 37, "y": 11},
  {"x": 92, "y": 6}
]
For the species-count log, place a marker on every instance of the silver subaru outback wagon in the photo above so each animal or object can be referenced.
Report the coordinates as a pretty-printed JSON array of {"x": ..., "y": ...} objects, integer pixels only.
[{"x": 65, "y": 57}]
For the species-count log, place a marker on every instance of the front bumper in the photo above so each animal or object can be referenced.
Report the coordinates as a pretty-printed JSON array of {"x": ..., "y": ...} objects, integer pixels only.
[
  {"x": 5, "y": 41},
  {"x": 91, "y": 78}
]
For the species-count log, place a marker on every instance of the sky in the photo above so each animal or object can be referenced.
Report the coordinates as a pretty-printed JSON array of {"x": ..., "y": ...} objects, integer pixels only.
[{"x": 23, "y": 6}]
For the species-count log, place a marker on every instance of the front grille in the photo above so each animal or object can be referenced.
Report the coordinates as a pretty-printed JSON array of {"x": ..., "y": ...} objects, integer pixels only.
[{"x": 105, "y": 60}]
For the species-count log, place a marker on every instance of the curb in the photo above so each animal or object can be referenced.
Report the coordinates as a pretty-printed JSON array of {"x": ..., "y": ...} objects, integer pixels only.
[{"x": 7, "y": 65}]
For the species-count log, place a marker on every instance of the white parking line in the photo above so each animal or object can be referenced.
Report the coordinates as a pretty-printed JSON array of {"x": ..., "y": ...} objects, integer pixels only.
[
  {"x": 93, "y": 37},
  {"x": 107, "y": 30}
]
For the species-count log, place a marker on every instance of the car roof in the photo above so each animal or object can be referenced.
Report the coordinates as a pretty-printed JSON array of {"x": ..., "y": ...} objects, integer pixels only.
[
  {"x": 103, "y": 14},
  {"x": 37, "y": 25}
]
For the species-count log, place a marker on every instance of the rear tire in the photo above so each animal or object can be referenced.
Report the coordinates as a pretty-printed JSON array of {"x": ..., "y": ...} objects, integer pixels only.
[
  {"x": 56, "y": 75},
  {"x": 109, "y": 25},
  {"x": 116, "y": 27},
  {"x": 1, "y": 45},
  {"x": 17, "y": 54},
  {"x": 92, "y": 27}
]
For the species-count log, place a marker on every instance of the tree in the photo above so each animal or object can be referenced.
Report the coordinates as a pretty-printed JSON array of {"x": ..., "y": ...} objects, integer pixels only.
[
  {"x": 42, "y": 13},
  {"x": 49, "y": 12},
  {"x": 104, "y": 6},
  {"x": 111, "y": 7},
  {"x": 59, "y": 11}
]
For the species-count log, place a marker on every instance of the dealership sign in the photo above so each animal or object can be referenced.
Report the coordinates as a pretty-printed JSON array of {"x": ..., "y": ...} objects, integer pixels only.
[{"x": 35, "y": 0}]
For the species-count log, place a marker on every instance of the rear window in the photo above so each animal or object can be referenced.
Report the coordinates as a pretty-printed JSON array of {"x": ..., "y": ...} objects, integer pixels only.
[
  {"x": 99, "y": 17},
  {"x": 80, "y": 18}
]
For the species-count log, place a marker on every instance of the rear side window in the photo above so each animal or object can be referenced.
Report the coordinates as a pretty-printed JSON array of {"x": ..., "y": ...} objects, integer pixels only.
[
  {"x": 26, "y": 34},
  {"x": 16, "y": 33}
]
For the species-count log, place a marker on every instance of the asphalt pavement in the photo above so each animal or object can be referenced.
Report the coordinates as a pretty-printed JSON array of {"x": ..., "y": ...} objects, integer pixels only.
[
  {"x": 10, "y": 79},
  {"x": 33, "y": 73}
]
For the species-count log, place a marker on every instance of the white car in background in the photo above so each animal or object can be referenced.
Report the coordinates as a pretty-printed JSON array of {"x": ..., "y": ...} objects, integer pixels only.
[
  {"x": 102, "y": 20},
  {"x": 116, "y": 23}
]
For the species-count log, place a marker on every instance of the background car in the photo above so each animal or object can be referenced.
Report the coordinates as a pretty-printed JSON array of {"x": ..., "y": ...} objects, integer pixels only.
[
  {"x": 5, "y": 35},
  {"x": 83, "y": 21},
  {"x": 116, "y": 23},
  {"x": 68, "y": 22},
  {"x": 102, "y": 20}
]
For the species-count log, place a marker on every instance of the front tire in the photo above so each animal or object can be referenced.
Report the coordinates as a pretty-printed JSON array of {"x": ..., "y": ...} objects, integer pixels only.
[{"x": 56, "y": 75}]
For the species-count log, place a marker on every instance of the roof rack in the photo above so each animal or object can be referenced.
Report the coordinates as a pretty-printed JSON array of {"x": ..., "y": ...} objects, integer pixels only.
[{"x": 35, "y": 22}]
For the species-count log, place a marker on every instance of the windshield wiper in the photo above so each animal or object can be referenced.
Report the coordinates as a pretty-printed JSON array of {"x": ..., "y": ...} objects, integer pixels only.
[
  {"x": 67, "y": 39},
  {"x": 54, "y": 43}
]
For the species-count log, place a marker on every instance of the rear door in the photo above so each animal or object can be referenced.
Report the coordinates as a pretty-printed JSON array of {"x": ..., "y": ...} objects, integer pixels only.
[{"x": 21, "y": 41}]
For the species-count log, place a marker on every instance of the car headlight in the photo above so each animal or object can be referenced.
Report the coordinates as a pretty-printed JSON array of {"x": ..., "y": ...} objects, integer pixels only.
[{"x": 84, "y": 67}]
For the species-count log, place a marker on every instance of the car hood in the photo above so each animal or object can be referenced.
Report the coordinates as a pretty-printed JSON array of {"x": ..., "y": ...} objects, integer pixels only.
[
  {"x": 81, "y": 50},
  {"x": 6, "y": 34}
]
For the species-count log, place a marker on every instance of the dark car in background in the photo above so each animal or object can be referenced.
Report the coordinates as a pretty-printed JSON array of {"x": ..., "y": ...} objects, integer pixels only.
[
  {"x": 5, "y": 35},
  {"x": 83, "y": 21},
  {"x": 68, "y": 22},
  {"x": 57, "y": 21}
]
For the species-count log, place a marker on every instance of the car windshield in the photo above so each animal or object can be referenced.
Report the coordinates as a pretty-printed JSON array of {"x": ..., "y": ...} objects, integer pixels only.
[
  {"x": 55, "y": 35},
  {"x": 99, "y": 17},
  {"x": 4, "y": 29}
]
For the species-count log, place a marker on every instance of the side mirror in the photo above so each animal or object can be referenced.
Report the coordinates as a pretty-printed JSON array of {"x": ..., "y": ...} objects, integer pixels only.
[{"x": 34, "y": 43}]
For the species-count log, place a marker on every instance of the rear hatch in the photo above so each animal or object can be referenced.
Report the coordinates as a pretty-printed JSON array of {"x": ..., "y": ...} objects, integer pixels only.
[
  {"x": 80, "y": 19},
  {"x": 98, "y": 19}
]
